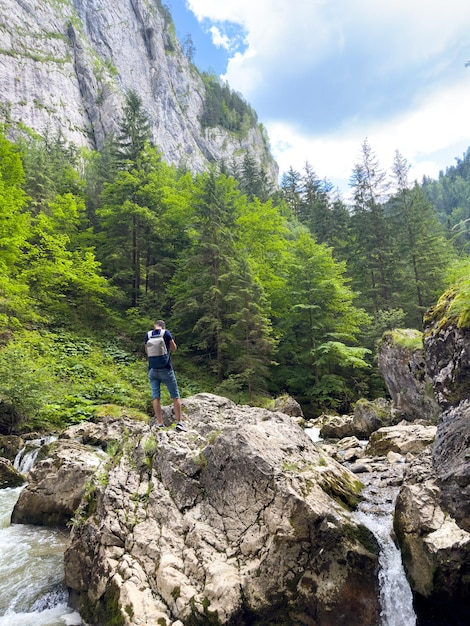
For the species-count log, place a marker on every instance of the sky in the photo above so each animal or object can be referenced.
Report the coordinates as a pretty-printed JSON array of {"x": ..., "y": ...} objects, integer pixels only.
[{"x": 325, "y": 75}]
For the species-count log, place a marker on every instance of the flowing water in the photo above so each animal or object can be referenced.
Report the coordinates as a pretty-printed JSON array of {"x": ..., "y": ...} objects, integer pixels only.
[
  {"x": 32, "y": 590},
  {"x": 376, "y": 513}
]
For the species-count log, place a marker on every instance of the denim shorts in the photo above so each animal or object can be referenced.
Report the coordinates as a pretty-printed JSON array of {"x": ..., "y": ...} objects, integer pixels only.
[{"x": 167, "y": 376}]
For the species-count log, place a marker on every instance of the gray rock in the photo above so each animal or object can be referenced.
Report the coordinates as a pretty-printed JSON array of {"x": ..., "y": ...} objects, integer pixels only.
[
  {"x": 66, "y": 66},
  {"x": 405, "y": 438},
  {"x": 447, "y": 361},
  {"x": 9, "y": 476},
  {"x": 435, "y": 550},
  {"x": 242, "y": 518},
  {"x": 451, "y": 460},
  {"x": 56, "y": 484},
  {"x": 10, "y": 445},
  {"x": 401, "y": 361},
  {"x": 370, "y": 415}
]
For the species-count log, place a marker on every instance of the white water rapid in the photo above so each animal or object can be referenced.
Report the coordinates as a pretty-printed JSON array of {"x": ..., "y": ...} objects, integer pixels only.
[
  {"x": 32, "y": 591},
  {"x": 376, "y": 513}
]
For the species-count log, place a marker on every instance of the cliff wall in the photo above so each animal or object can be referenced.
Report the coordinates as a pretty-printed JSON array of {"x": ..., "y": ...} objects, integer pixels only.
[{"x": 67, "y": 65}]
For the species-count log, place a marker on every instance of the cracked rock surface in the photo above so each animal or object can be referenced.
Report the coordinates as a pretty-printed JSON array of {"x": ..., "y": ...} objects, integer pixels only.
[{"x": 240, "y": 520}]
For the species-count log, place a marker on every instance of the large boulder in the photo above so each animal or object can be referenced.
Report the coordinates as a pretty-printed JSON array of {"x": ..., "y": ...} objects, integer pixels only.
[
  {"x": 404, "y": 438},
  {"x": 240, "y": 520},
  {"x": 435, "y": 550},
  {"x": 56, "y": 484},
  {"x": 451, "y": 458},
  {"x": 447, "y": 348},
  {"x": 10, "y": 445},
  {"x": 401, "y": 361},
  {"x": 448, "y": 362},
  {"x": 370, "y": 415}
]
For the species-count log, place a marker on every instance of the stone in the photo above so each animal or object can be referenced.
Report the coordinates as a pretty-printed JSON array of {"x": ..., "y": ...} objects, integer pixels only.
[
  {"x": 435, "y": 550},
  {"x": 9, "y": 476},
  {"x": 242, "y": 518},
  {"x": 451, "y": 460},
  {"x": 404, "y": 438},
  {"x": 56, "y": 484},
  {"x": 289, "y": 406},
  {"x": 10, "y": 445},
  {"x": 447, "y": 360},
  {"x": 369, "y": 416},
  {"x": 336, "y": 426},
  {"x": 401, "y": 360}
]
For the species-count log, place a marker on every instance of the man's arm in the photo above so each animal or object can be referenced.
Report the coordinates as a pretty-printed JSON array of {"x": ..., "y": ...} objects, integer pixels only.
[{"x": 172, "y": 345}]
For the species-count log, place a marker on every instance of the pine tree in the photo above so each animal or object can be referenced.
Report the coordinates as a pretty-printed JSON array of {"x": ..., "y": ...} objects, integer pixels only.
[
  {"x": 421, "y": 246},
  {"x": 373, "y": 258},
  {"x": 134, "y": 131}
]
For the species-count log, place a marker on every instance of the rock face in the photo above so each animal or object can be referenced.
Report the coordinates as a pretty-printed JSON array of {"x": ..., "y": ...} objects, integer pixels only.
[
  {"x": 241, "y": 520},
  {"x": 432, "y": 517},
  {"x": 56, "y": 484},
  {"x": 67, "y": 66},
  {"x": 448, "y": 362},
  {"x": 435, "y": 549},
  {"x": 401, "y": 361}
]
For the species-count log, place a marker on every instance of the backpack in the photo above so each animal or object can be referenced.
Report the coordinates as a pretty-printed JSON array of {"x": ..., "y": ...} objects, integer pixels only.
[{"x": 156, "y": 348}]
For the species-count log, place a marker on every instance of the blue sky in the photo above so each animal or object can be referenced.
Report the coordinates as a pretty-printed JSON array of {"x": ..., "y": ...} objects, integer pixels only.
[{"x": 324, "y": 75}]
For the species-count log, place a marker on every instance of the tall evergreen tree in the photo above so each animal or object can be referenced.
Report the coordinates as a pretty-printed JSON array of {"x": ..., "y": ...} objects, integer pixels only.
[
  {"x": 291, "y": 185},
  {"x": 134, "y": 131},
  {"x": 373, "y": 257},
  {"x": 421, "y": 246}
]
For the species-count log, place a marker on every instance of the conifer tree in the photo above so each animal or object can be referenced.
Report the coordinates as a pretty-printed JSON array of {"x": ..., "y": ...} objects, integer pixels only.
[
  {"x": 372, "y": 257},
  {"x": 134, "y": 131},
  {"x": 421, "y": 246}
]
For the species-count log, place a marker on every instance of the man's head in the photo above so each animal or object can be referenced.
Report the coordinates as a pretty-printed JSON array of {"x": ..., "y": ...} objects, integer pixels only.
[{"x": 159, "y": 324}]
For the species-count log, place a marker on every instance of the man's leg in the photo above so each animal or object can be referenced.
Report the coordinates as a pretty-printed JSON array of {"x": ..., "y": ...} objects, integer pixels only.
[
  {"x": 155, "y": 385},
  {"x": 157, "y": 409},
  {"x": 177, "y": 409}
]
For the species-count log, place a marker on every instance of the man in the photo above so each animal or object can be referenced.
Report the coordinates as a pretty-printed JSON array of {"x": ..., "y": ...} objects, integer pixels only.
[{"x": 160, "y": 370}]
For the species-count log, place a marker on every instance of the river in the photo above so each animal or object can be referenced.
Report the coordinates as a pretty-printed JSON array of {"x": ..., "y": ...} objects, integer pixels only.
[{"x": 32, "y": 590}]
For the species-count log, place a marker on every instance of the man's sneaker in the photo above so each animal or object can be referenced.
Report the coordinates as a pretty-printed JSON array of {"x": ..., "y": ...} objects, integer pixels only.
[
  {"x": 160, "y": 425},
  {"x": 180, "y": 426}
]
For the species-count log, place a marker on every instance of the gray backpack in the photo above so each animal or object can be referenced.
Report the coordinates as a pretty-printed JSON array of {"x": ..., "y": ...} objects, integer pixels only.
[{"x": 156, "y": 348}]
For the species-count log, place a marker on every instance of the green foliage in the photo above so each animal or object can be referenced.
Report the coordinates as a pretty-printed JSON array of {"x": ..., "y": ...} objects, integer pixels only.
[
  {"x": 263, "y": 292},
  {"x": 24, "y": 385},
  {"x": 226, "y": 108}
]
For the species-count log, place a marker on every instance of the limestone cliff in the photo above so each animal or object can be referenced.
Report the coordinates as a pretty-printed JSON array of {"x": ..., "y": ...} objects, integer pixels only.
[{"x": 67, "y": 64}]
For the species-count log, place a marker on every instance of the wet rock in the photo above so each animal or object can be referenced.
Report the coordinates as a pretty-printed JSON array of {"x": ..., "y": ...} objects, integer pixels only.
[
  {"x": 10, "y": 445},
  {"x": 56, "y": 484},
  {"x": 435, "y": 550},
  {"x": 9, "y": 476}
]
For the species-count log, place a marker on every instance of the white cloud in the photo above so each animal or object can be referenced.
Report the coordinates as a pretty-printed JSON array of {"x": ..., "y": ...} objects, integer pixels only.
[
  {"x": 325, "y": 74},
  {"x": 219, "y": 40}
]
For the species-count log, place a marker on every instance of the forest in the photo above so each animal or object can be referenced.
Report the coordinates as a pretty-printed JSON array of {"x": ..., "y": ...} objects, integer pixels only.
[{"x": 267, "y": 291}]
